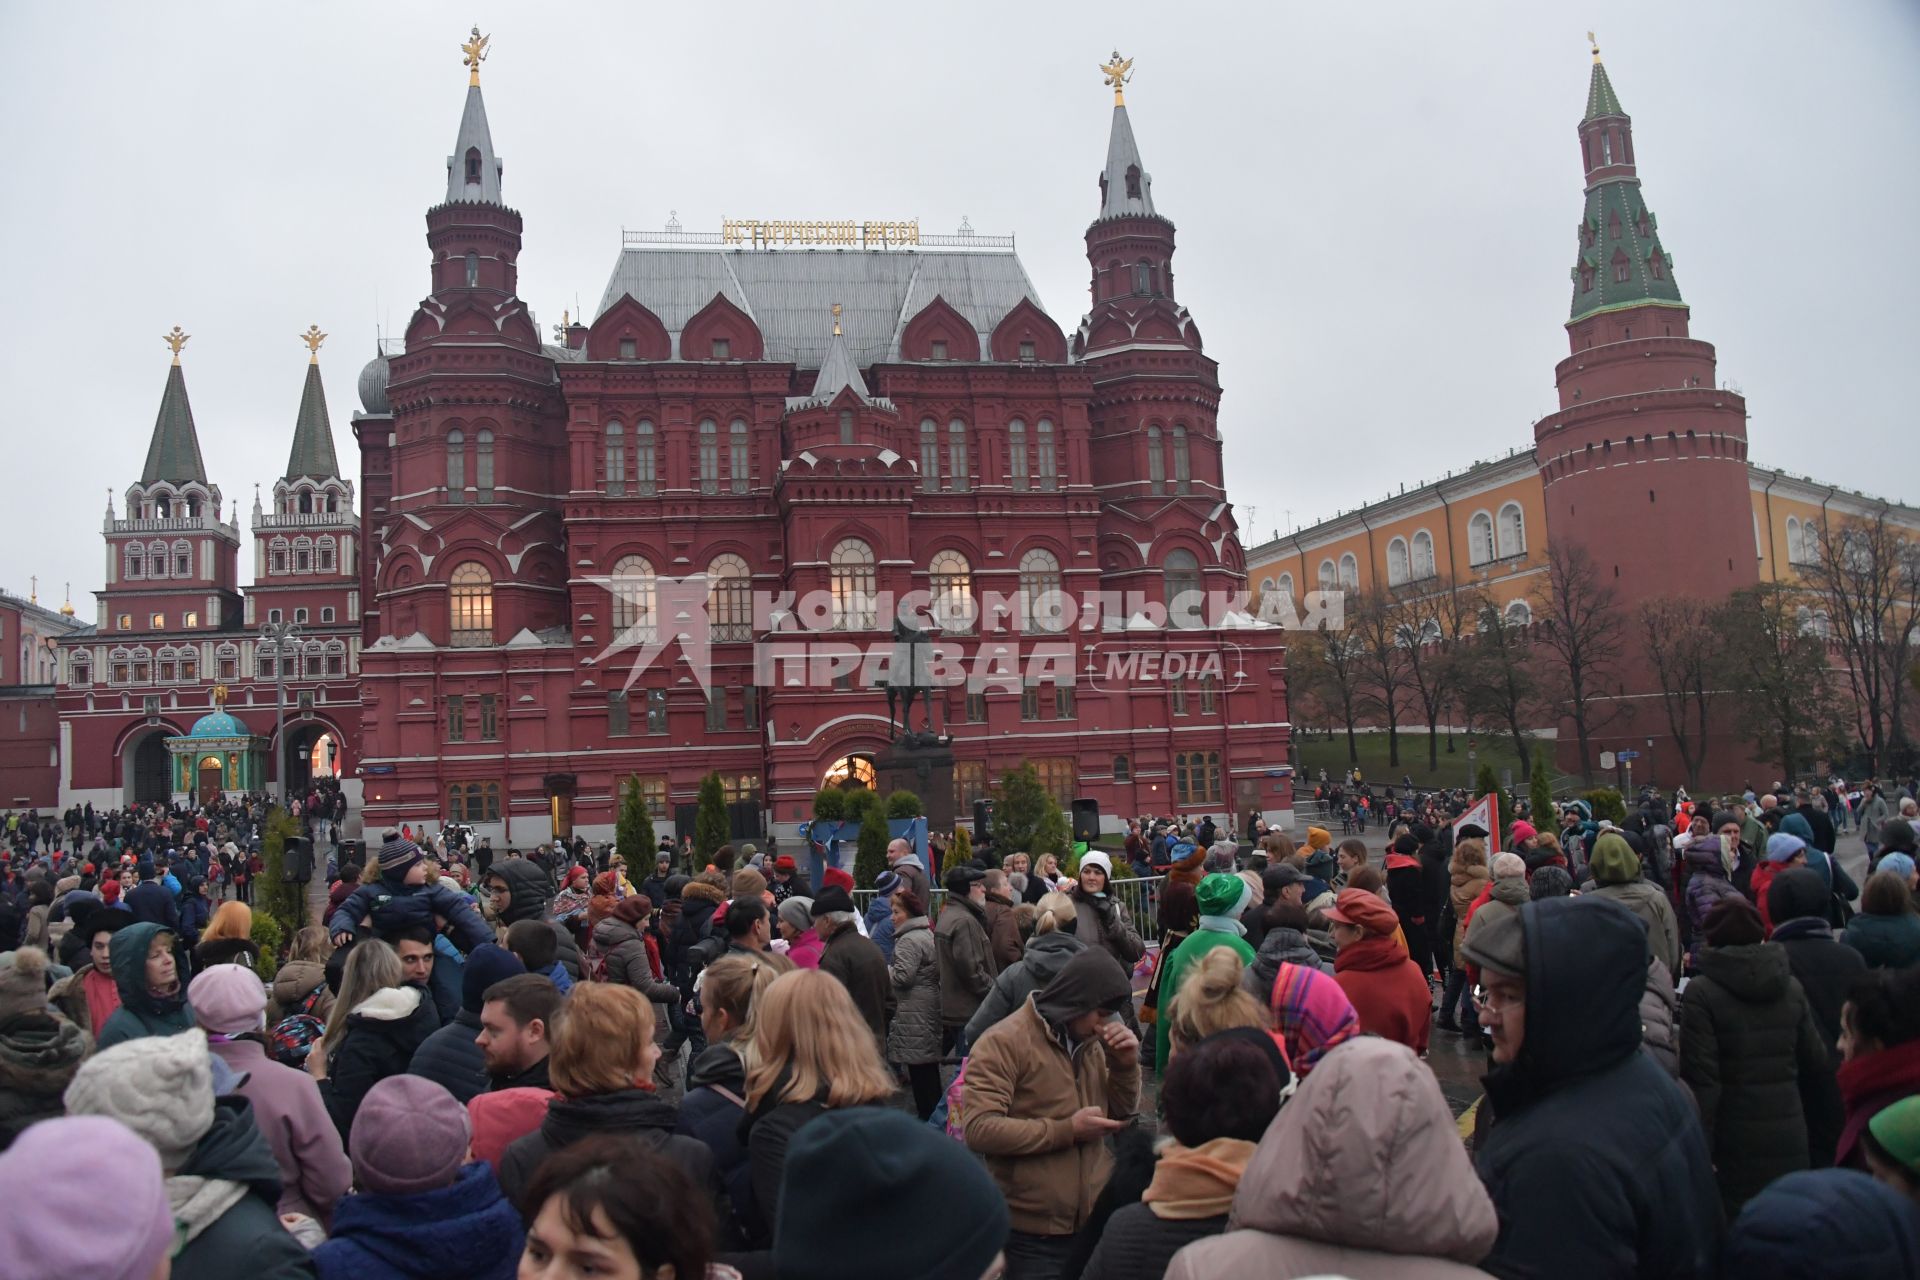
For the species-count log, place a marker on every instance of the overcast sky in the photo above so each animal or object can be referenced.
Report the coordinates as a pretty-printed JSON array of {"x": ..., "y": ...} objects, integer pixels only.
[{"x": 1376, "y": 204}]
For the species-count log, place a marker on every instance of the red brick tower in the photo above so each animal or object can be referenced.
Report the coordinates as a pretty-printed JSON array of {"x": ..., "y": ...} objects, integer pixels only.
[
  {"x": 1638, "y": 390},
  {"x": 1166, "y": 528}
]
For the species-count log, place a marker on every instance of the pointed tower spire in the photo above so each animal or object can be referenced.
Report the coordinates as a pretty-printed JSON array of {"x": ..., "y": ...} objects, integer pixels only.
[
  {"x": 1125, "y": 186},
  {"x": 473, "y": 170},
  {"x": 1621, "y": 261},
  {"x": 174, "y": 452},
  {"x": 838, "y": 371},
  {"x": 312, "y": 431}
]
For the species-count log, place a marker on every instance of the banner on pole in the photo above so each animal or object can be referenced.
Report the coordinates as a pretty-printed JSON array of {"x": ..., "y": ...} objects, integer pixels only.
[{"x": 1484, "y": 813}]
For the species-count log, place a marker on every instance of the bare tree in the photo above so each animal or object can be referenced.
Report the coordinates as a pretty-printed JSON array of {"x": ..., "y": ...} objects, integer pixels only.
[
  {"x": 1494, "y": 672},
  {"x": 1381, "y": 661},
  {"x": 1429, "y": 657},
  {"x": 1867, "y": 575},
  {"x": 1683, "y": 649},
  {"x": 1328, "y": 664},
  {"x": 1776, "y": 658},
  {"x": 1580, "y": 636}
]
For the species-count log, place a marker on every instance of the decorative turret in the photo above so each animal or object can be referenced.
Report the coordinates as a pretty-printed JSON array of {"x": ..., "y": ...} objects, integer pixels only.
[
  {"x": 1621, "y": 262},
  {"x": 312, "y": 432},
  {"x": 174, "y": 452},
  {"x": 1125, "y": 185}
]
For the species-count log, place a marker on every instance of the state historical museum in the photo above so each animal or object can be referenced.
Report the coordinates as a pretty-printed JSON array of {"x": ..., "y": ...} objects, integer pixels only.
[{"x": 793, "y": 410}]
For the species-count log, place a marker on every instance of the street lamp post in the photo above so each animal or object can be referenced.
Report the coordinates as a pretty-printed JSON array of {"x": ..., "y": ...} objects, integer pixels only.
[{"x": 278, "y": 634}]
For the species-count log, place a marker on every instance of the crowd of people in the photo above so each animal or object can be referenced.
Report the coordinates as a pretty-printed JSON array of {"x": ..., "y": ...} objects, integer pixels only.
[{"x": 1701, "y": 1040}]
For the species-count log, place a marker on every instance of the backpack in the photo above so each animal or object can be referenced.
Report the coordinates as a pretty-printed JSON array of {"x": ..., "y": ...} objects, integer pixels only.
[{"x": 293, "y": 1037}]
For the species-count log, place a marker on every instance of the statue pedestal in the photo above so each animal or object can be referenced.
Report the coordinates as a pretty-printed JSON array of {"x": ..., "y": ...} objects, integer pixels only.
[{"x": 924, "y": 766}]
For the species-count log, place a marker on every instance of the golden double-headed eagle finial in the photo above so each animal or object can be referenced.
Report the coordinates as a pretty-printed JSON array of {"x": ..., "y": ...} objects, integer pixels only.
[
  {"x": 175, "y": 341},
  {"x": 1595, "y": 44},
  {"x": 475, "y": 51},
  {"x": 1118, "y": 72},
  {"x": 836, "y": 319},
  {"x": 313, "y": 338}
]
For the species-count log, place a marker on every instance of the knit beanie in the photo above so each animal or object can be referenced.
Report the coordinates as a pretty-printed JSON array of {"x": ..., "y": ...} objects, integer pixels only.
[
  {"x": 409, "y": 1135},
  {"x": 828, "y": 901},
  {"x": 1550, "y": 882},
  {"x": 486, "y": 965},
  {"x": 228, "y": 1000},
  {"x": 161, "y": 1087},
  {"x": 1897, "y": 1130},
  {"x": 502, "y": 1117},
  {"x": 1797, "y": 892},
  {"x": 847, "y": 1161},
  {"x": 885, "y": 883},
  {"x": 120, "y": 1173},
  {"x": 1614, "y": 861},
  {"x": 1733, "y": 922},
  {"x": 834, "y": 876},
  {"x": 747, "y": 883},
  {"x": 23, "y": 982},
  {"x": 1095, "y": 858},
  {"x": 1318, "y": 837},
  {"x": 1223, "y": 895},
  {"x": 397, "y": 856},
  {"x": 797, "y": 913},
  {"x": 1901, "y": 864}
]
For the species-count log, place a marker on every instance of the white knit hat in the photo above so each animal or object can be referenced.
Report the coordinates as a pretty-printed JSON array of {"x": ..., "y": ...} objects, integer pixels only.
[{"x": 161, "y": 1087}]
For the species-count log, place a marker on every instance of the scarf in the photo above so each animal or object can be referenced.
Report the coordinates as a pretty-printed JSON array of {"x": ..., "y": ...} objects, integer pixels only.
[
  {"x": 1224, "y": 924},
  {"x": 103, "y": 997},
  {"x": 1312, "y": 1013},
  {"x": 198, "y": 1202},
  {"x": 1197, "y": 1182}
]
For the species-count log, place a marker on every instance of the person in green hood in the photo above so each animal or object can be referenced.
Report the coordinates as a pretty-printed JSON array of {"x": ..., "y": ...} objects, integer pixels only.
[{"x": 153, "y": 1000}]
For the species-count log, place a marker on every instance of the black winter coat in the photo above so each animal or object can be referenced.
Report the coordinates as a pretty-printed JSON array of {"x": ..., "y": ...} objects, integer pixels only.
[
  {"x": 452, "y": 1059},
  {"x": 381, "y": 1038},
  {"x": 1138, "y": 1244},
  {"x": 862, "y": 970},
  {"x": 1824, "y": 967},
  {"x": 635, "y": 1113},
  {"x": 767, "y": 1131},
  {"x": 247, "y": 1242},
  {"x": 711, "y": 1112},
  {"x": 1748, "y": 1048},
  {"x": 532, "y": 894},
  {"x": 1594, "y": 1152}
]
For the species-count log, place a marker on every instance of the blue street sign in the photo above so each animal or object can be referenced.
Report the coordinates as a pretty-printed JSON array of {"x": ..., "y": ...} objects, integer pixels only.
[{"x": 1628, "y": 755}]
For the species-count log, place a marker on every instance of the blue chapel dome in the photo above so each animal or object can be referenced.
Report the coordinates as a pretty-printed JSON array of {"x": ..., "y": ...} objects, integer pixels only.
[{"x": 218, "y": 724}]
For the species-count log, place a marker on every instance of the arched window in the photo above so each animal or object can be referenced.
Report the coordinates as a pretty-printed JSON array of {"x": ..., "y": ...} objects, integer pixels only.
[
  {"x": 1423, "y": 563},
  {"x": 929, "y": 454},
  {"x": 80, "y": 668},
  {"x": 739, "y": 460},
  {"x": 473, "y": 269},
  {"x": 483, "y": 466},
  {"x": 470, "y": 604},
  {"x": 1480, "y": 539},
  {"x": 1399, "y": 563},
  {"x": 1143, "y": 277},
  {"x": 616, "y": 464},
  {"x": 1513, "y": 531},
  {"x": 633, "y": 588},
  {"x": 852, "y": 580},
  {"x": 333, "y": 501},
  {"x": 709, "y": 459},
  {"x": 959, "y": 467},
  {"x": 326, "y": 550},
  {"x": 156, "y": 559},
  {"x": 1049, "y": 463},
  {"x": 730, "y": 586},
  {"x": 1284, "y": 585},
  {"x": 163, "y": 506},
  {"x": 1017, "y": 453},
  {"x": 1122, "y": 769},
  {"x": 1803, "y": 618},
  {"x": 277, "y": 555},
  {"x": 227, "y": 662},
  {"x": 1040, "y": 597},
  {"x": 303, "y": 555},
  {"x": 643, "y": 465},
  {"x": 1349, "y": 572},
  {"x": 337, "y": 658},
  {"x": 1796, "y": 548},
  {"x": 1182, "y": 466},
  {"x": 950, "y": 584},
  {"x": 136, "y": 562},
  {"x": 1822, "y": 624},
  {"x": 1156, "y": 461},
  {"x": 473, "y": 164},
  {"x": 1430, "y": 632},
  {"x": 1185, "y": 607},
  {"x": 303, "y": 501},
  {"x": 1519, "y": 614},
  {"x": 1326, "y": 575},
  {"x": 456, "y": 466}
]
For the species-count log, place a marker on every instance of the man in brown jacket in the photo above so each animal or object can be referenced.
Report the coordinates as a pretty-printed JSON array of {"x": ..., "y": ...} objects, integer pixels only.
[
  {"x": 1003, "y": 929},
  {"x": 1044, "y": 1087},
  {"x": 966, "y": 962}
]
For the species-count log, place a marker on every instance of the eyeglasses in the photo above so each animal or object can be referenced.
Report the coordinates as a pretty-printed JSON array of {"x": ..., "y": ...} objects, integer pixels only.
[{"x": 1486, "y": 999}]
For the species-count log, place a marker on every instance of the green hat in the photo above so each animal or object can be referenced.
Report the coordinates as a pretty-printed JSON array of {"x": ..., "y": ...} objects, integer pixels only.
[
  {"x": 1897, "y": 1128},
  {"x": 1223, "y": 895},
  {"x": 1614, "y": 861}
]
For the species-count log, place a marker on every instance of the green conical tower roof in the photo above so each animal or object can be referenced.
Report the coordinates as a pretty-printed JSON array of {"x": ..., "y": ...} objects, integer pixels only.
[
  {"x": 1601, "y": 99},
  {"x": 312, "y": 433},
  {"x": 174, "y": 453}
]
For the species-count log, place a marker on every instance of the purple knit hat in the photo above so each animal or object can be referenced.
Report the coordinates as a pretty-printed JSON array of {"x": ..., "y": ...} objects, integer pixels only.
[
  {"x": 409, "y": 1135},
  {"x": 120, "y": 1172}
]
